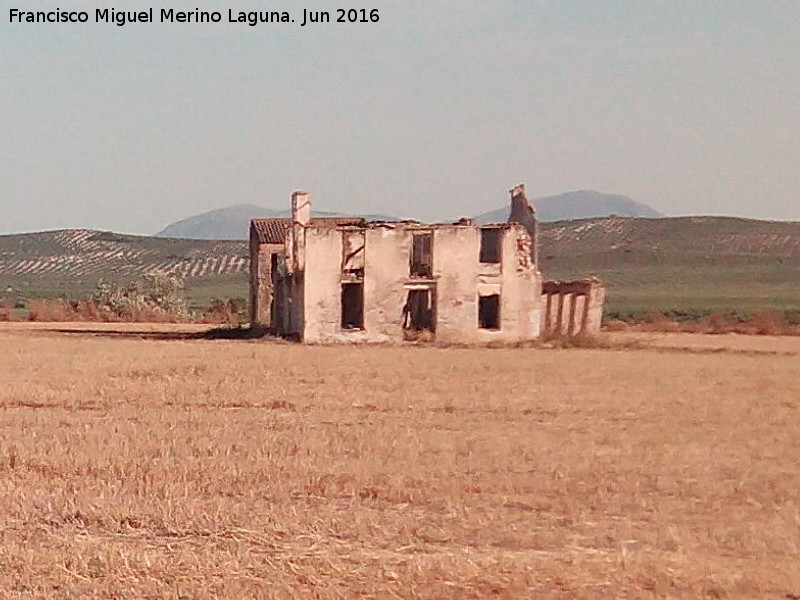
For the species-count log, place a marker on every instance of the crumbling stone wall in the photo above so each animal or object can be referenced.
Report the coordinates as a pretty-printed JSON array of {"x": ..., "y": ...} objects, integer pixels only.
[
  {"x": 572, "y": 308},
  {"x": 456, "y": 286},
  {"x": 523, "y": 212},
  {"x": 261, "y": 287},
  {"x": 352, "y": 281}
]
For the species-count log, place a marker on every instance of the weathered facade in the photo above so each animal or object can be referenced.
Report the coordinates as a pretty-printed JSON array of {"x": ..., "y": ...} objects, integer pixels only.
[
  {"x": 347, "y": 280},
  {"x": 266, "y": 242},
  {"x": 267, "y": 238}
]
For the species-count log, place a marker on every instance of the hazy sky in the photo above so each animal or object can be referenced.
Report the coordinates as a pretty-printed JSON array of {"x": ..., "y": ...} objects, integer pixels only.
[{"x": 433, "y": 112}]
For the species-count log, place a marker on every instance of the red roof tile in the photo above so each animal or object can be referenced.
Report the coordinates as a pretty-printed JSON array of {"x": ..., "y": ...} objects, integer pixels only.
[
  {"x": 270, "y": 231},
  {"x": 273, "y": 231}
]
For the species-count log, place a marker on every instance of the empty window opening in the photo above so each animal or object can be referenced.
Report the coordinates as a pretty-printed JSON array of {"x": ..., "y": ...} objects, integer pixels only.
[
  {"x": 489, "y": 312},
  {"x": 353, "y": 275},
  {"x": 353, "y": 244},
  {"x": 352, "y": 306},
  {"x": 274, "y": 263},
  {"x": 419, "y": 312},
  {"x": 422, "y": 255},
  {"x": 491, "y": 239}
]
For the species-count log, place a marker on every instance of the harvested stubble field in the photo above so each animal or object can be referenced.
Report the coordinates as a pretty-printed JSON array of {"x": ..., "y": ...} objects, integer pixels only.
[{"x": 148, "y": 465}]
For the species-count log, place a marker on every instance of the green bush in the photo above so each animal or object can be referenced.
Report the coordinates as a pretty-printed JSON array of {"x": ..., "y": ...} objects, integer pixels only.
[{"x": 155, "y": 297}]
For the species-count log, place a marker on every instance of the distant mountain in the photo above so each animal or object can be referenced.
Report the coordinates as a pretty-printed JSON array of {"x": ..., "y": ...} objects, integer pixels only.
[
  {"x": 233, "y": 223},
  {"x": 223, "y": 224},
  {"x": 583, "y": 204}
]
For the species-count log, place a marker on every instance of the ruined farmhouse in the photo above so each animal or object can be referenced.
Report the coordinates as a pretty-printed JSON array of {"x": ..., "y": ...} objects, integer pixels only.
[{"x": 344, "y": 279}]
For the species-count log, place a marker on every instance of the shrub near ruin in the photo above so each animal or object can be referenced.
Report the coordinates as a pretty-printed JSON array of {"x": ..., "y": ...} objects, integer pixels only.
[{"x": 155, "y": 298}]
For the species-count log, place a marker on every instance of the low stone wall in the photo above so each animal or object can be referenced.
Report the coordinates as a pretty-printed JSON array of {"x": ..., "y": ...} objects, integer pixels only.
[{"x": 572, "y": 307}]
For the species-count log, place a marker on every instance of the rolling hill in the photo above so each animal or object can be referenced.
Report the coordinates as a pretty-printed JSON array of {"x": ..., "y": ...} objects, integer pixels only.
[
  {"x": 687, "y": 264},
  {"x": 681, "y": 264},
  {"x": 70, "y": 262}
]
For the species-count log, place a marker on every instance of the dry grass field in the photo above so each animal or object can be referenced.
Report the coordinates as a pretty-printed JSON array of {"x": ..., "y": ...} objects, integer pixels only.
[{"x": 147, "y": 465}]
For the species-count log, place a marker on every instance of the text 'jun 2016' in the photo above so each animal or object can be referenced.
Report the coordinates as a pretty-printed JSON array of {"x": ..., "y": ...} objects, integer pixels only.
[{"x": 120, "y": 18}]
